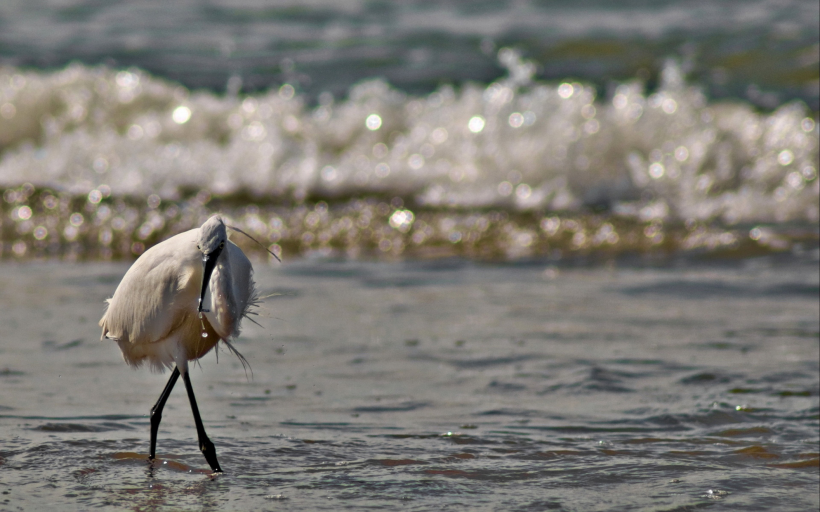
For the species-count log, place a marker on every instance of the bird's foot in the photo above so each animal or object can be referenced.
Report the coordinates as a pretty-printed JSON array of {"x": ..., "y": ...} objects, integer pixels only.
[{"x": 209, "y": 451}]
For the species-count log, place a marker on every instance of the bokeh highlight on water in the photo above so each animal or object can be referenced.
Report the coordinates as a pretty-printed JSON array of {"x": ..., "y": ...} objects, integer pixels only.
[
  {"x": 98, "y": 162},
  {"x": 381, "y": 130}
]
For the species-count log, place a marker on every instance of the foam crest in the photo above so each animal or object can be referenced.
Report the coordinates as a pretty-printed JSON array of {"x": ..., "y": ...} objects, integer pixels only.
[{"x": 518, "y": 143}]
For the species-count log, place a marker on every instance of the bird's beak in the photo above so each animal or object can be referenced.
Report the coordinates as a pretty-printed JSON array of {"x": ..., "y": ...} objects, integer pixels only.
[{"x": 209, "y": 263}]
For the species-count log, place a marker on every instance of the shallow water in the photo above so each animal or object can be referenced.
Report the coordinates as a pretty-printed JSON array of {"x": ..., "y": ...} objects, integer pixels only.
[{"x": 431, "y": 386}]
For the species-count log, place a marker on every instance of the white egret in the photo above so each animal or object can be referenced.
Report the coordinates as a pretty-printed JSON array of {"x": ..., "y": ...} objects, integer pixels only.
[{"x": 175, "y": 303}]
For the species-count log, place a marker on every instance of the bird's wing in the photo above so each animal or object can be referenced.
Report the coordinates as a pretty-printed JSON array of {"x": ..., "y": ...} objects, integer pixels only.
[{"x": 151, "y": 299}]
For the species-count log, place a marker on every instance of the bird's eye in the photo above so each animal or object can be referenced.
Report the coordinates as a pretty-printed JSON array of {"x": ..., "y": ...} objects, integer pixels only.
[
  {"x": 198, "y": 247},
  {"x": 222, "y": 245}
]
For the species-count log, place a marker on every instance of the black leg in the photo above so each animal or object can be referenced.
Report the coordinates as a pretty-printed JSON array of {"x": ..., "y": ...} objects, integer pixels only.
[
  {"x": 205, "y": 444},
  {"x": 156, "y": 411}
]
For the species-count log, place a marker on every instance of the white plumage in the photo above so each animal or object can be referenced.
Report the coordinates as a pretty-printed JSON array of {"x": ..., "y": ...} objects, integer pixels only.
[{"x": 155, "y": 315}]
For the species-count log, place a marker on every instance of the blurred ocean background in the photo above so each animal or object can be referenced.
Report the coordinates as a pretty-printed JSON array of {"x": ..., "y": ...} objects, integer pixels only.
[
  {"x": 537, "y": 255},
  {"x": 496, "y": 130}
]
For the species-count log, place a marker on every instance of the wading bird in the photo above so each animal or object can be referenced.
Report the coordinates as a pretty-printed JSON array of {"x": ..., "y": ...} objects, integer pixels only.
[{"x": 175, "y": 303}]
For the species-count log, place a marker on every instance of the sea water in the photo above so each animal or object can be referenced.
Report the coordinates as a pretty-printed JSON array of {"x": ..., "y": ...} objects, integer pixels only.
[
  {"x": 430, "y": 386},
  {"x": 499, "y": 160}
]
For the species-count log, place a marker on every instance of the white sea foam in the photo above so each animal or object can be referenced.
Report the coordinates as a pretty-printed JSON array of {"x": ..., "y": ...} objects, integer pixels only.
[{"x": 517, "y": 143}]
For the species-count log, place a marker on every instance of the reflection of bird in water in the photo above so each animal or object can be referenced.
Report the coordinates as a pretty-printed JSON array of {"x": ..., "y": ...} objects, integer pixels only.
[{"x": 178, "y": 300}]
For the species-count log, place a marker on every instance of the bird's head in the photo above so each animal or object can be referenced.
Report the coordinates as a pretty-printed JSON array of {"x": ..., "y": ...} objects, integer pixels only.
[
  {"x": 212, "y": 236},
  {"x": 211, "y": 241}
]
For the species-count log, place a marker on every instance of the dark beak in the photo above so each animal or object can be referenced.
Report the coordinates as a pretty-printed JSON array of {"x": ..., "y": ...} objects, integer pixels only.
[{"x": 209, "y": 262}]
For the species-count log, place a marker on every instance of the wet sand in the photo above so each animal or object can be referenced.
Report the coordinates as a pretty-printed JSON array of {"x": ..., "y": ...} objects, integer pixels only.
[{"x": 430, "y": 386}]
